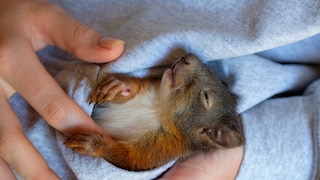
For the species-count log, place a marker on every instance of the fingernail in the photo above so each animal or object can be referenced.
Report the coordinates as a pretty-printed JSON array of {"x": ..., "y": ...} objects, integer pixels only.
[{"x": 110, "y": 43}]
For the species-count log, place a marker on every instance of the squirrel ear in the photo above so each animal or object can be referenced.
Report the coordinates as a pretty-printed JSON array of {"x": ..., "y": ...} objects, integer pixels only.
[{"x": 222, "y": 137}]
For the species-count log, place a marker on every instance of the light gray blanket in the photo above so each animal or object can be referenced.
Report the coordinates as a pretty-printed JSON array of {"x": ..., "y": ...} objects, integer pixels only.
[{"x": 278, "y": 88}]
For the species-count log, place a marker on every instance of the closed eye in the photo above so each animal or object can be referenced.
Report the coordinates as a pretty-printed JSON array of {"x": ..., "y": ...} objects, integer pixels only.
[{"x": 207, "y": 99}]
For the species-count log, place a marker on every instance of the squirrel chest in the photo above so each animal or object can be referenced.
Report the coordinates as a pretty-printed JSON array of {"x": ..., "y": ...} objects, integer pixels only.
[{"x": 128, "y": 121}]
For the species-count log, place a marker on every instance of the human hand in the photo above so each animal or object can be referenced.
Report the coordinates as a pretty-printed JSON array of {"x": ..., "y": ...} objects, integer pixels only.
[
  {"x": 220, "y": 165},
  {"x": 27, "y": 26}
]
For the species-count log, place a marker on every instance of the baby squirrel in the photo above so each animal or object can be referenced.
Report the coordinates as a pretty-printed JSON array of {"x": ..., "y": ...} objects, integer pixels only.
[{"x": 152, "y": 121}]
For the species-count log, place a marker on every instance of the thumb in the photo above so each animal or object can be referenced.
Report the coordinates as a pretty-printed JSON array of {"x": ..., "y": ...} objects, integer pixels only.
[{"x": 67, "y": 33}]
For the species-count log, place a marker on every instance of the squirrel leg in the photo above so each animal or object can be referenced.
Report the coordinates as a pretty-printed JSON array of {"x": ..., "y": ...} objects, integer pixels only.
[{"x": 143, "y": 155}]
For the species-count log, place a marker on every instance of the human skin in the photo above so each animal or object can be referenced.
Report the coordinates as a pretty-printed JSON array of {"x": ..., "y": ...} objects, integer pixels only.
[
  {"x": 219, "y": 165},
  {"x": 30, "y": 25}
]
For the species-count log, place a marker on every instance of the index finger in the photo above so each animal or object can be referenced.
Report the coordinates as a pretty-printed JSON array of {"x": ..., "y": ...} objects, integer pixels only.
[{"x": 22, "y": 69}]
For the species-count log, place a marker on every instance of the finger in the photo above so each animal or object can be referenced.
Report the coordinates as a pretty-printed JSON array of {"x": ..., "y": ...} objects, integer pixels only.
[
  {"x": 42, "y": 92},
  {"x": 221, "y": 164},
  {"x": 5, "y": 171},
  {"x": 75, "y": 37},
  {"x": 16, "y": 149},
  {"x": 7, "y": 88}
]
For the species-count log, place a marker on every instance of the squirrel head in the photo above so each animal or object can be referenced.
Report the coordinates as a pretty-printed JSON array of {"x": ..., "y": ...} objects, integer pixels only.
[{"x": 203, "y": 108}]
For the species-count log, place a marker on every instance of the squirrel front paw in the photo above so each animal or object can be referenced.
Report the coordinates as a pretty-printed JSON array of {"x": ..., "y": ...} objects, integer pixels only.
[{"x": 112, "y": 89}]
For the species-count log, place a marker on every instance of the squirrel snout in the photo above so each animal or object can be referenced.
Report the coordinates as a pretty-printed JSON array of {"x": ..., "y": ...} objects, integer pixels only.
[
  {"x": 183, "y": 59},
  {"x": 189, "y": 59}
]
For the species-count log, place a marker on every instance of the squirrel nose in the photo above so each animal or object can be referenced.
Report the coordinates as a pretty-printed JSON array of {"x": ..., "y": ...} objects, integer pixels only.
[
  {"x": 188, "y": 59},
  {"x": 184, "y": 60}
]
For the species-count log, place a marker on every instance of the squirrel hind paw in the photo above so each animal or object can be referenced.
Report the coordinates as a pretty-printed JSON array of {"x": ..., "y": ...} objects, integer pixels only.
[{"x": 88, "y": 144}]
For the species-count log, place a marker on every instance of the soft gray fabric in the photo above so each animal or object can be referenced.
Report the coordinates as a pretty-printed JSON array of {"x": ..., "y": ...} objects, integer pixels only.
[
  {"x": 282, "y": 133},
  {"x": 279, "y": 134}
]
